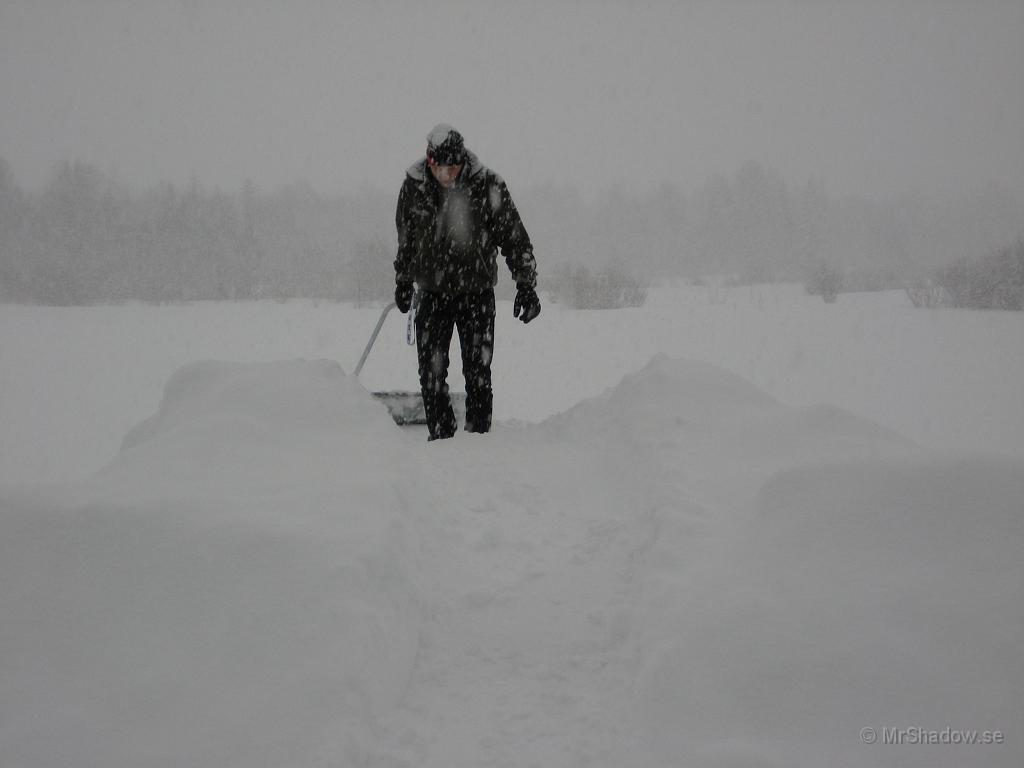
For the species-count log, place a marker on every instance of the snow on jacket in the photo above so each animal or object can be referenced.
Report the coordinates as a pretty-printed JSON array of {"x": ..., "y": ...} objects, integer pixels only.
[{"x": 448, "y": 238}]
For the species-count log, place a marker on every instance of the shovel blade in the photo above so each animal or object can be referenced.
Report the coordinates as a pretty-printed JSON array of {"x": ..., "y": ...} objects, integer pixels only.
[{"x": 406, "y": 408}]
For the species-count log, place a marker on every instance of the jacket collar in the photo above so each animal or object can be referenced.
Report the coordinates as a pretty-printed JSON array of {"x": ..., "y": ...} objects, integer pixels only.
[{"x": 418, "y": 171}]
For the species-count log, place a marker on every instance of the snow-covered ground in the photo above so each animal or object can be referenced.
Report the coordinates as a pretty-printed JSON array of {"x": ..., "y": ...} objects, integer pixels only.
[
  {"x": 73, "y": 381},
  {"x": 730, "y": 528}
]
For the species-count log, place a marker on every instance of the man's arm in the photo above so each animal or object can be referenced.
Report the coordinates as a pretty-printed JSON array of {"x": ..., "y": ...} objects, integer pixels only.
[
  {"x": 406, "y": 236},
  {"x": 510, "y": 235}
]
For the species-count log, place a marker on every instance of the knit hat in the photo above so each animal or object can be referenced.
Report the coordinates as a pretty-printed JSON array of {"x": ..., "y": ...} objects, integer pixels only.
[{"x": 445, "y": 146}]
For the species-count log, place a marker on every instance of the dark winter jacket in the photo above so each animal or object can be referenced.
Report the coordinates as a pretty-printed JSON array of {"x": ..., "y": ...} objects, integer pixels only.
[{"x": 448, "y": 238}]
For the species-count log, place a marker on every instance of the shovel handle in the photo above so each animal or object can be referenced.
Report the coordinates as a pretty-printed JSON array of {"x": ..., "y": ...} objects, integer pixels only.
[{"x": 373, "y": 338}]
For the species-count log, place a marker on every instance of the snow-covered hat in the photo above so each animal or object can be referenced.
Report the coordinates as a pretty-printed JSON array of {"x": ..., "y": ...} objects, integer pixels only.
[{"x": 445, "y": 146}]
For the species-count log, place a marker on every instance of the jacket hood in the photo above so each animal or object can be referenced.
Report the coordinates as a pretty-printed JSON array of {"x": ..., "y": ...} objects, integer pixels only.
[{"x": 418, "y": 171}]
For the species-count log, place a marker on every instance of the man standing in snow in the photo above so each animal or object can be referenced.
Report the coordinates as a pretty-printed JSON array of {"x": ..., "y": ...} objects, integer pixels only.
[{"x": 453, "y": 214}]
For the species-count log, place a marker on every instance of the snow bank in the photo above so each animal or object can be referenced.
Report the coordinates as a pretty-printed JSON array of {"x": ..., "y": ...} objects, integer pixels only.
[
  {"x": 808, "y": 574},
  {"x": 236, "y": 588},
  {"x": 74, "y": 380},
  {"x": 665, "y": 395},
  {"x": 713, "y": 435},
  {"x": 682, "y": 571},
  {"x": 861, "y": 594}
]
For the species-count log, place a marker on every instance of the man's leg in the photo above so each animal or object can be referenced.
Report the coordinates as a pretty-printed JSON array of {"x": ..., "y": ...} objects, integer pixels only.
[
  {"x": 475, "y": 318},
  {"x": 434, "y": 322}
]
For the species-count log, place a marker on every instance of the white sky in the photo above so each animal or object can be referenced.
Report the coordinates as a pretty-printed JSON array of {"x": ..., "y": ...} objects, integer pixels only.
[{"x": 878, "y": 98}]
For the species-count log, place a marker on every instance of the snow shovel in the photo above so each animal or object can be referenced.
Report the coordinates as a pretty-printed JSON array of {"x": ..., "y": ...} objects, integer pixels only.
[{"x": 406, "y": 408}]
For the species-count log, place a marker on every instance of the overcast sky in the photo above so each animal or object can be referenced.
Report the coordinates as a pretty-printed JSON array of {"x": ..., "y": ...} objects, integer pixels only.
[{"x": 877, "y": 98}]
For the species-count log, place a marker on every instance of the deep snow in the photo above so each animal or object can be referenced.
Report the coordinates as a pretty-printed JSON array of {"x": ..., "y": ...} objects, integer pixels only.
[
  {"x": 73, "y": 381},
  {"x": 681, "y": 570}
]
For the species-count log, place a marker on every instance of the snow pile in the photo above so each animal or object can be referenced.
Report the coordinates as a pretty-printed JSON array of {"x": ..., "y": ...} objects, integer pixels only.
[
  {"x": 816, "y": 575},
  {"x": 808, "y": 574},
  {"x": 682, "y": 571},
  {"x": 714, "y": 432},
  {"x": 236, "y": 588},
  {"x": 861, "y": 595},
  {"x": 666, "y": 394}
]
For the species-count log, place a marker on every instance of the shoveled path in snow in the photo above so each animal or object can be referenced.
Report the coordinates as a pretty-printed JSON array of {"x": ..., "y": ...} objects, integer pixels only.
[
  {"x": 524, "y": 656},
  {"x": 546, "y": 543},
  {"x": 681, "y": 571}
]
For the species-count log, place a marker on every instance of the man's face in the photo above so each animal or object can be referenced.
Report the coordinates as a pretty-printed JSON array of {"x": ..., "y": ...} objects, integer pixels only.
[{"x": 445, "y": 174}]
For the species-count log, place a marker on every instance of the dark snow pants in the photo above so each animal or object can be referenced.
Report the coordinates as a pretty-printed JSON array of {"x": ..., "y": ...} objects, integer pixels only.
[{"x": 436, "y": 316}]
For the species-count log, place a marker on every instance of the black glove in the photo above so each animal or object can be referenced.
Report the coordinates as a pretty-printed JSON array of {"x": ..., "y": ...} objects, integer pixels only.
[
  {"x": 527, "y": 304},
  {"x": 403, "y": 296}
]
